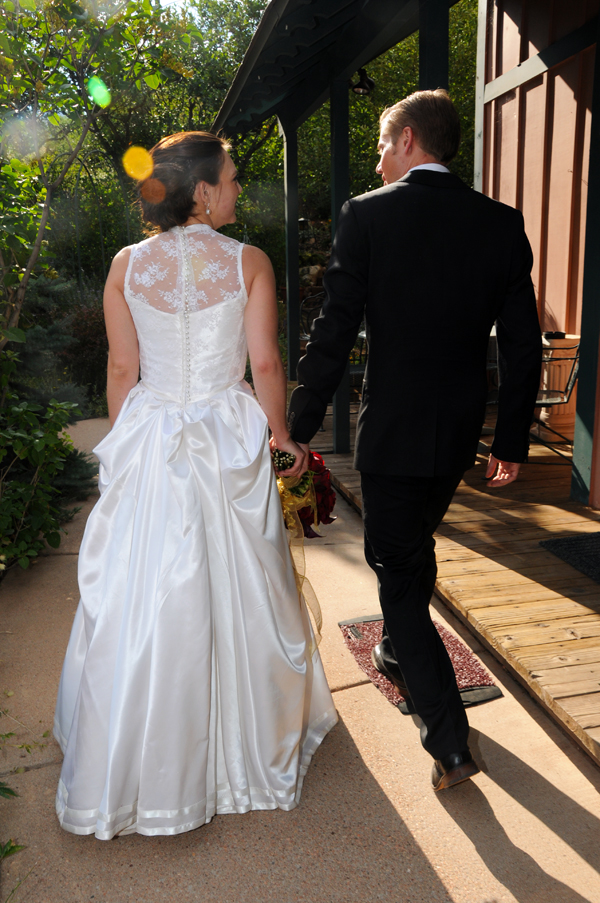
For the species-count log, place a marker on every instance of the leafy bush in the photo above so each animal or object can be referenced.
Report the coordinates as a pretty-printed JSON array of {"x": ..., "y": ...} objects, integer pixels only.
[
  {"x": 75, "y": 482},
  {"x": 87, "y": 354},
  {"x": 33, "y": 454},
  {"x": 65, "y": 351}
]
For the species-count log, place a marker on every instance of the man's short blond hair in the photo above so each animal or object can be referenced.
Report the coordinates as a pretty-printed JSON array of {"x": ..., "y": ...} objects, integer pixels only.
[{"x": 433, "y": 119}]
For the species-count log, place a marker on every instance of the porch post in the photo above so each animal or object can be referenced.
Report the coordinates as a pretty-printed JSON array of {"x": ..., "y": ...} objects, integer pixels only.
[
  {"x": 340, "y": 190},
  {"x": 292, "y": 248},
  {"x": 581, "y": 480},
  {"x": 479, "y": 93},
  {"x": 433, "y": 44}
]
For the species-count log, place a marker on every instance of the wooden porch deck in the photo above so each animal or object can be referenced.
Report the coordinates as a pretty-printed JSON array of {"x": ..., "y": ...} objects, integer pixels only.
[{"x": 538, "y": 615}]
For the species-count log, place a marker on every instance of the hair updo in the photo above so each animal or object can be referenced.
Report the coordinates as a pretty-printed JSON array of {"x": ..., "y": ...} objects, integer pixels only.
[{"x": 180, "y": 162}]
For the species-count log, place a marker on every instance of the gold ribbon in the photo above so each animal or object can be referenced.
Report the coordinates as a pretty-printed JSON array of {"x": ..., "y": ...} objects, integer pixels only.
[
  {"x": 296, "y": 493},
  {"x": 291, "y": 503}
]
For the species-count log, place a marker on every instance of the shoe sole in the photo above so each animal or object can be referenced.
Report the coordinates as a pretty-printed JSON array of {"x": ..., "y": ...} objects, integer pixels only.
[{"x": 456, "y": 776}]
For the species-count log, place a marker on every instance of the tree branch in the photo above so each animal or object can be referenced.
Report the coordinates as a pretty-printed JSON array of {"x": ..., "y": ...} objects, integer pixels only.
[
  {"x": 59, "y": 179},
  {"x": 256, "y": 144}
]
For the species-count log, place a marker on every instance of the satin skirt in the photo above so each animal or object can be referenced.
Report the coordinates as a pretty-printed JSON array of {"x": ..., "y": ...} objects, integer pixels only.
[{"x": 188, "y": 688}]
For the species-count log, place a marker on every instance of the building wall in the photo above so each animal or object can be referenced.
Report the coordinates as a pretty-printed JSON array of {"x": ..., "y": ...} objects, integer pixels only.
[{"x": 536, "y": 143}]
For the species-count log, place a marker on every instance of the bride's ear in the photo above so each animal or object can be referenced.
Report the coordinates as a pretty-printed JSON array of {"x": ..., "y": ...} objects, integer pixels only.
[{"x": 201, "y": 194}]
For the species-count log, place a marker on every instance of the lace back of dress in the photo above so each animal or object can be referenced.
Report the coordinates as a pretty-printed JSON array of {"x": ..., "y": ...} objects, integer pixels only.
[{"x": 185, "y": 270}]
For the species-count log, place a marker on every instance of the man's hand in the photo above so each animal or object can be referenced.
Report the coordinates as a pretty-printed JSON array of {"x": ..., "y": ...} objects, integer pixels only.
[{"x": 501, "y": 473}]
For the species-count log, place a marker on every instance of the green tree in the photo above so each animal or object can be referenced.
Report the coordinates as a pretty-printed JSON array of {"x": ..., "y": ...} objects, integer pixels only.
[
  {"x": 49, "y": 54},
  {"x": 396, "y": 74}
]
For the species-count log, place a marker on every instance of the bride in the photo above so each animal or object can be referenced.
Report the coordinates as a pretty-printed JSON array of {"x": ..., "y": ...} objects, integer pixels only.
[{"x": 189, "y": 686}]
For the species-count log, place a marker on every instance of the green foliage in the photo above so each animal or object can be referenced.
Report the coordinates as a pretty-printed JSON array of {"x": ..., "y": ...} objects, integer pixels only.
[
  {"x": 463, "y": 52},
  {"x": 93, "y": 201},
  {"x": 77, "y": 480},
  {"x": 48, "y": 54},
  {"x": 65, "y": 351},
  {"x": 22, "y": 197},
  {"x": 32, "y": 452},
  {"x": 40, "y": 471},
  {"x": 64, "y": 199},
  {"x": 86, "y": 355},
  {"x": 7, "y": 792},
  {"x": 41, "y": 377},
  {"x": 10, "y": 848},
  {"x": 396, "y": 74}
]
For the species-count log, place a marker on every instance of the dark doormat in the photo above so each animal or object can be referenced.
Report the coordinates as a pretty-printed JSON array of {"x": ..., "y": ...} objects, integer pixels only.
[
  {"x": 581, "y": 552},
  {"x": 476, "y": 685}
]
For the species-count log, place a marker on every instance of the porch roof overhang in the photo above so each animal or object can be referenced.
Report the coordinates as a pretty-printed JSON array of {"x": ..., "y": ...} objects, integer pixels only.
[{"x": 300, "y": 47}]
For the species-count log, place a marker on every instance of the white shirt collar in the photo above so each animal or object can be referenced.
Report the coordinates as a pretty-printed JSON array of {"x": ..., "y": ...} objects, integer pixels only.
[{"x": 434, "y": 167}]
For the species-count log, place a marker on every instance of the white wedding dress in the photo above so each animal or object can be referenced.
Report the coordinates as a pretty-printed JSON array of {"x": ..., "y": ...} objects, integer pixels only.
[{"x": 190, "y": 686}]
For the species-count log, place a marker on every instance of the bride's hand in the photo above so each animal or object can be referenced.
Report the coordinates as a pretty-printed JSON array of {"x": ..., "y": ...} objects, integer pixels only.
[{"x": 288, "y": 445}]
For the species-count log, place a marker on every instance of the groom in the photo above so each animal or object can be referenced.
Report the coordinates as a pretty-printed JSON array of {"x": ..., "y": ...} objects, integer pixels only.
[{"x": 431, "y": 265}]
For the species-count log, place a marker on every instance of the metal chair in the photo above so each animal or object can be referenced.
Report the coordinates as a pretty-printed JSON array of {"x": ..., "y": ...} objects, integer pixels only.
[
  {"x": 358, "y": 359},
  {"x": 310, "y": 308},
  {"x": 560, "y": 367}
]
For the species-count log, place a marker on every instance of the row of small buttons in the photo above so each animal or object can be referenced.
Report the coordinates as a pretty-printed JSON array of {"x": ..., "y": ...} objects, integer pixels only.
[{"x": 187, "y": 273}]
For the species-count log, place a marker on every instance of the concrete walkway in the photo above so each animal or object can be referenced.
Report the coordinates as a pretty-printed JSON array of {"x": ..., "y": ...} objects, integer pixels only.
[{"x": 369, "y": 827}]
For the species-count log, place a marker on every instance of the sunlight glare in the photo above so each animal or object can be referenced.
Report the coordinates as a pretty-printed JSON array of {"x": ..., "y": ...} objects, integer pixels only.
[{"x": 137, "y": 163}]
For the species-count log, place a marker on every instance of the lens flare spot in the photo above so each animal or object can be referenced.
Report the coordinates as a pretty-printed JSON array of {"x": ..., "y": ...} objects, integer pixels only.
[
  {"x": 137, "y": 163},
  {"x": 98, "y": 91},
  {"x": 153, "y": 191},
  {"x": 24, "y": 137}
]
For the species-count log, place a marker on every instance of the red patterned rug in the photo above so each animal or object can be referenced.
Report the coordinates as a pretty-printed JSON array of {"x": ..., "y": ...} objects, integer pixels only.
[{"x": 476, "y": 685}]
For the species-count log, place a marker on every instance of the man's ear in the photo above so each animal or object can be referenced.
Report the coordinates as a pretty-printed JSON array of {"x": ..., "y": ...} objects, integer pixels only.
[{"x": 407, "y": 139}]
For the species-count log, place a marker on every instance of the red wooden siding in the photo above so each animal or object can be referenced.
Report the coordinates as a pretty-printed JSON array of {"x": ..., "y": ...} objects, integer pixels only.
[{"x": 536, "y": 144}]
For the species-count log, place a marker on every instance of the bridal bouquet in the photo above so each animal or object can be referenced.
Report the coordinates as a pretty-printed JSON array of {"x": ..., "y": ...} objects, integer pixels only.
[{"x": 307, "y": 501}]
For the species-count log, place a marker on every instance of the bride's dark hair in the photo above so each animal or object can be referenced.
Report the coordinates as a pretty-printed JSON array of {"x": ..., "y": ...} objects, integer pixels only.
[{"x": 180, "y": 162}]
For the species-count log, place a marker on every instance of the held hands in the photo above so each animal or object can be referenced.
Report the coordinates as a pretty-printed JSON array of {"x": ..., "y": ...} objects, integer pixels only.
[
  {"x": 501, "y": 473},
  {"x": 300, "y": 452}
]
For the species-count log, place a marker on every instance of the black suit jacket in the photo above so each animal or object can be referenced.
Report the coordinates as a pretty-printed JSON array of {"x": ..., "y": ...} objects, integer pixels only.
[{"x": 432, "y": 265}]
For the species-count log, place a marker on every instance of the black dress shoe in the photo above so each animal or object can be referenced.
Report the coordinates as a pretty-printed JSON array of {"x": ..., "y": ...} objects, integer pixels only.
[
  {"x": 379, "y": 665},
  {"x": 453, "y": 769}
]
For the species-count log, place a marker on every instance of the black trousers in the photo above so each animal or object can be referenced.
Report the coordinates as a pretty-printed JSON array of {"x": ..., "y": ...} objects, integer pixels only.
[{"x": 400, "y": 516}]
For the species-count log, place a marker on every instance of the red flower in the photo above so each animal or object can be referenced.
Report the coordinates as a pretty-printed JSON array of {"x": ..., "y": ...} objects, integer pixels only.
[{"x": 324, "y": 494}]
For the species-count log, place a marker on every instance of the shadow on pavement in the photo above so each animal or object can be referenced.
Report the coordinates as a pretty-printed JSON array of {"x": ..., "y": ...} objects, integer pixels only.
[
  {"x": 509, "y": 864},
  {"x": 344, "y": 843}
]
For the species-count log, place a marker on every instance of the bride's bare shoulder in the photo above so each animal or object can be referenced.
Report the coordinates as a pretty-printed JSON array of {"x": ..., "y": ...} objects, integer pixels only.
[
  {"x": 255, "y": 262},
  {"x": 118, "y": 268}
]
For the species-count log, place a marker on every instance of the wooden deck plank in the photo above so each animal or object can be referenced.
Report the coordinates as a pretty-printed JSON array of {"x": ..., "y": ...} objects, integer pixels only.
[
  {"x": 562, "y": 655},
  {"x": 570, "y": 681},
  {"x": 511, "y": 582},
  {"x": 521, "y": 636},
  {"x": 501, "y": 602},
  {"x": 536, "y": 613},
  {"x": 509, "y": 542},
  {"x": 586, "y": 708},
  {"x": 515, "y": 592},
  {"x": 542, "y": 564}
]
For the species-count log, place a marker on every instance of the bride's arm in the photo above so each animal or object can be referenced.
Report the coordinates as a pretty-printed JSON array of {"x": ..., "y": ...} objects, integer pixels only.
[
  {"x": 123, "y": 351},
  {"x": 268, "y": 375}
]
